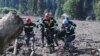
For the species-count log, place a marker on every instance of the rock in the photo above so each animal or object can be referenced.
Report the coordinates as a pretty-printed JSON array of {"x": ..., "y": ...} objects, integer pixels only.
[{"x": 10, "y": 27}]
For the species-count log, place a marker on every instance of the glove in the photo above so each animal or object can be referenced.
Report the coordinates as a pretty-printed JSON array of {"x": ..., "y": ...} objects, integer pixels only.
[
  {"x": 72, "y": 27},
  {"x": 56, "y": 24},
  {"x": 32, "y": 32}
]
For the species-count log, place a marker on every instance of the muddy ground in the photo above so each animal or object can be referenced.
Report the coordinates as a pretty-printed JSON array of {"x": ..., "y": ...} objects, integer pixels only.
[{"x": 87, "y": 41}]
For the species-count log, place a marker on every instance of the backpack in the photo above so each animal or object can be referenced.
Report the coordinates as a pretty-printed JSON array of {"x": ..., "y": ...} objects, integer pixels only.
[{"x": 71, "y": 26}]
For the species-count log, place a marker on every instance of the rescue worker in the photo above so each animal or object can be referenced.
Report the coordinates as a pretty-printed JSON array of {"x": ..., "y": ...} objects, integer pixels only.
[
  {"x": 49, "y": 26},
  {"x": 68, "y": 27},
  {"x": 40, "y": 25},
  {"x": 28, "y": 29}
]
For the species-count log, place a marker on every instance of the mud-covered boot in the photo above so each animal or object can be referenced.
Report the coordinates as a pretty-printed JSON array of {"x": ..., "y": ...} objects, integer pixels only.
[
  {"x": 43, "y": 45},
  {"x": 66, "y": 46},
  {"x": 50, "y": 50},
  {"x": 53, "y": 48}
]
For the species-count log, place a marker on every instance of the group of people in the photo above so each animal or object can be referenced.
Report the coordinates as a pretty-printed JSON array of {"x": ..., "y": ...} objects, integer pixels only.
[{"x": 49, "y": 30}]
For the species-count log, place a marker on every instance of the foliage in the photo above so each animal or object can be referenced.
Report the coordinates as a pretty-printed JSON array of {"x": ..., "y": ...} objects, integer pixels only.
[
  {"x": 96, "y": 10},
  {"x": 80, "y": 9},
  {"x": 74, "y": 8},
  {"x": 6, "y": 9}
]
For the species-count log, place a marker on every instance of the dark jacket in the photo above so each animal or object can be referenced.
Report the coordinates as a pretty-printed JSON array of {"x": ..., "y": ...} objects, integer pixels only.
[
  {"x": 70, "y": 27},
  {"x": 49, "y": 23},
  {"x": 29, "y": 27}
]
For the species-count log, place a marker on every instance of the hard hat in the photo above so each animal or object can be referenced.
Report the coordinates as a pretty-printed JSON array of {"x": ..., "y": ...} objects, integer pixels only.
[
  {"x": 28, "y": 20},
  {"x": 47, "y": 16}
]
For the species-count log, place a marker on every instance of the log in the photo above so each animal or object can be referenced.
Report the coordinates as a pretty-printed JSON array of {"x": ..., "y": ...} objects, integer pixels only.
[{"x": 10, "y": 28}]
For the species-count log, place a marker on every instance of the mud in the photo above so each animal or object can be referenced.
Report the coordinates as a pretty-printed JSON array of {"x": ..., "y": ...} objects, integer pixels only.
[{"x": 87, "y": 42}]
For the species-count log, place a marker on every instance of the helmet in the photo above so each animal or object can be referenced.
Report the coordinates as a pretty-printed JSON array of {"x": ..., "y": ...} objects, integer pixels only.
[
  {"x": 28, "y": 20},
  {"x": 65, "y": 22},
  {"x": 47, "y": 16}
]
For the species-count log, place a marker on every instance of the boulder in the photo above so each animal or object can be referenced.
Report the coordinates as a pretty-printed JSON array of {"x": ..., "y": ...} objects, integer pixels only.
[{"x": 10, "y": 28}]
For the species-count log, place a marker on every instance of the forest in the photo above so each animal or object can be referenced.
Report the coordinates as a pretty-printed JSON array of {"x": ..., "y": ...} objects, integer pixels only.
[
  {"x": 76, "y": 9},
  {"x": 76, "y": 37}
]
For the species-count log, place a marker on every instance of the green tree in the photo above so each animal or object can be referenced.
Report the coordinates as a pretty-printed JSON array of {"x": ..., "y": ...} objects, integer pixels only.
[
  {"x": 96, "y": 9},
  {"x": 58, "y": 10},
  {"x": 22, "y": 6},
  {"x": 74, "y": 8},
  {"x": 30, "y": 6}
]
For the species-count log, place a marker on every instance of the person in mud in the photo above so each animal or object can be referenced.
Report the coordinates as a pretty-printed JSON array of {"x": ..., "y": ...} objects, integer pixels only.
[
  {"x": 41, "y": 30},
  {"x": 49, "y": 29},
  {"x": 56, "y": 30},
  {"x": 28, "y": 29},
  {"x": 41, "y": 24},
  {"x": 68, "y": 28}
]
